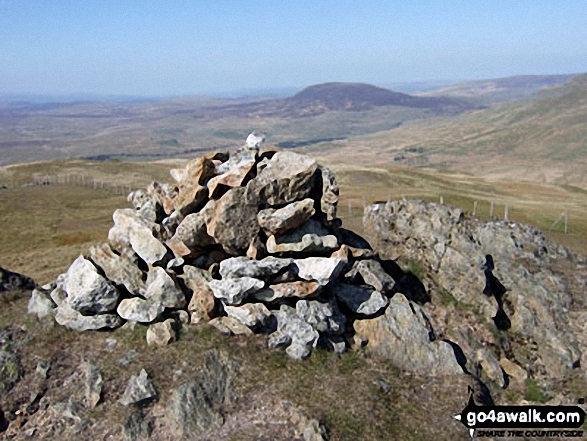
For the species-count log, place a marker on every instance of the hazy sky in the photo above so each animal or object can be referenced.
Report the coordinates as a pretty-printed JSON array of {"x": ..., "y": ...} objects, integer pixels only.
[{"x": 207, "y": 46}]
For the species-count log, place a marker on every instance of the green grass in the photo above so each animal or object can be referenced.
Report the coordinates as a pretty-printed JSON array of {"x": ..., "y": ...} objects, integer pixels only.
[{"x": 534, "y": 392}]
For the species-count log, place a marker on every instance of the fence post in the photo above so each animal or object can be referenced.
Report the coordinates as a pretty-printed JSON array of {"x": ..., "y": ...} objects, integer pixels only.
[
  {"x": 505, "y": 213},
  {"x": 350, "y": 208},
  {"x": 491, "y": 209},
  {"x": 441, "y": 200},
  {"x": 475, "y": 208},
  {"x": 566, "y": 222}
]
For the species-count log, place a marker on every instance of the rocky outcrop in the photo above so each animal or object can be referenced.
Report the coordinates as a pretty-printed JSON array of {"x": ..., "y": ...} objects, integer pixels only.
[{"x": 510, "y": 298}]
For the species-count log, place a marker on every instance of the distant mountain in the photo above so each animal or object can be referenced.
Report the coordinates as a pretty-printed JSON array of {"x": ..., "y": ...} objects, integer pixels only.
[
  {"x": 498, "y": 90},
  {"x": 352, "y": 97},
  {"x": 543, "y": 138}
]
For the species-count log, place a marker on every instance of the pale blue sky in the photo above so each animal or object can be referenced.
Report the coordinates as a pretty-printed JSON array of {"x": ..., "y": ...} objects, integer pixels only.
[{"x": 197, "y": 47}]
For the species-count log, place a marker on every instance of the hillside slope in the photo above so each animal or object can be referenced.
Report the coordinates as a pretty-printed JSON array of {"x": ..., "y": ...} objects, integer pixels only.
[
  {"x": 545, "y": 139},
  {"x": 498, "y": 90}
]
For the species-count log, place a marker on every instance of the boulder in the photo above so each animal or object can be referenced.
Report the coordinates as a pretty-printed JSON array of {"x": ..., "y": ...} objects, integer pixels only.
[
  {"x": 130, "y": 229},
  {"x": 287, "y": 218},
  {"x": 140, "y": 310},
  {"x": 236, "y": 267},
  {"x": 232, "y": 221},
  {"x": 192, "y": 190},
  {"x": 360, "y": 300},
  {"x": 119, "y": 270},
  {"x": 310, "y": 237},
  {"x": 234, "y": 291},
  {"x": 402, "y": 336},
  {"x": 161, "y": 288},
  {"x": 65, "y": 315},
  {"x": 40, "y": 304},
  {"x": 252, "y": 315},
  {"x": 320, "y": 269},
  {"x": 299, "y": 289},
  {"x": 138, "y": 390},
  {"x": 162, "y": 333},
  {"x": 192, "y": 234},
  {"x": 288, "y": 177},
  {"x": 254, "y": 141},
  {"x": 202, "y": 304},
  {"x": 87, "y": 291}
]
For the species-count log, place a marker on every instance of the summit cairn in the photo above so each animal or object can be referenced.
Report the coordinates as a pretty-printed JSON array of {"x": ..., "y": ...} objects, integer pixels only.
[{"x": 248, "y": 243}]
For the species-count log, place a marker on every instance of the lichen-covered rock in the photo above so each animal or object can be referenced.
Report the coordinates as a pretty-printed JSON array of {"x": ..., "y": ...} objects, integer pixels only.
[
  {"x": 403, "y": 336},
  {"x": 299, "y": 289},
  {"x": 320, "y": 269},
  {"x": 139, "y": 389},
  {"x": 252, "y": 315}
]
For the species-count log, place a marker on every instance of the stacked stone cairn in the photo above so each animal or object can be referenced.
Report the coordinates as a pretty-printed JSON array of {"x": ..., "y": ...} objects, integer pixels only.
[{"x": 248, "y": 242}]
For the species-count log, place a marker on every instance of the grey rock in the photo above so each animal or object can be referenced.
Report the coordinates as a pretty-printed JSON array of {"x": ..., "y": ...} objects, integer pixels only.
[
  {"x": 11, "y": 281},
  {"x": 287, "y": 177},
  {"x": 234, "y": 291},
  {"x": 92, "y": 385},
  {"x": 87, "y": 291},
  {"x": 321, "y": 269},
  {"x": 162, "y": 333},
  {"x": 360, "y": 299},
  {"x": 298, "y": 289},
  {"x": 117, "y": 269},
  {"x": 40, "y": 304},
  {"x": 161, "y": 288},
  {"x": 234, "y": 173},
  {"x": 139, "y": 389},
  {"x": 140, "y": 310},
  {"x": 329, "y": 193},
  {"x": 137, "y": 427},
  {"x": 373, "y": 274},
  {"x": 131, "y": 229},
  {"x": 324, "y": 316},
  {"x": 491, "y": 367},
  {"x": 310, "y": 237},
  {"x": 298, "y": 351},
  {"x": 287, "y": 218},
  {"x": 232, "y": 221},
  {"x": 65, "y": 315},
  {"x": 192, "y": 233},
  {"x": 292, "y": 330},
  {"x": 252, "y": 315},
  {"x": 195, "y": 406},
  {"x": 402, "y": 336},
  {"x": 236, "y": 267}
]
